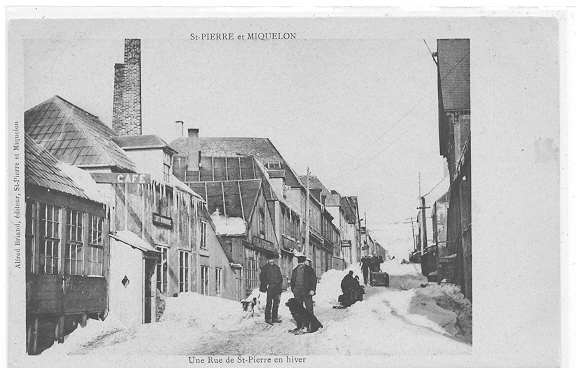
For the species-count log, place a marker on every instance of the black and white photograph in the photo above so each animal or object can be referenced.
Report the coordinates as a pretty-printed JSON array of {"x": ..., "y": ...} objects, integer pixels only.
[{"x": 244, "y": 188}]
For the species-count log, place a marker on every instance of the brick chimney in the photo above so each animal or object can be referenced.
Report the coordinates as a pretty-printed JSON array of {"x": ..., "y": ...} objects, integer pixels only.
[
  {"x": 193, "y": 150},
  {"x": 127, "y": 109}
]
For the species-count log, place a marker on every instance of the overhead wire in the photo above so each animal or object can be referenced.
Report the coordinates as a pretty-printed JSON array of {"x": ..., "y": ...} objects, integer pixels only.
[
  {"x": 385, "y": 148},
  {"x": 409, "y": 111}
]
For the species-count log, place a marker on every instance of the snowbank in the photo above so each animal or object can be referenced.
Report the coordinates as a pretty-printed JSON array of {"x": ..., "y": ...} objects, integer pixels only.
[
  {"x": 83, "y": 337},
  {"x": 382, "y": 323},
  {"x": 328, "y": 289},
  {"x": 203, "y": 312},
  {"x": 228, "y": 225}
]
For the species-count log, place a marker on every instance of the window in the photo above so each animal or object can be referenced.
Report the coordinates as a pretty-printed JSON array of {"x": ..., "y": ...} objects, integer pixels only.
[
  {"x": 252, "y": 271},
  {"x": 202, "y": 235},
  {"x": 95, "y": 256},
  {"x": 164, "y": 203},
  {"x": 167, "y": 166},
  {"x": 261, "y": 222},
  {"x": 162, "y": 270},
  {"x": 184, "y": 271},
  {"x": 31, "y": 217},
  {"x": 50, "y": 235},
  {"x": 74, "y": 256},
  {"x": 204, "y": 280},
  {"x": 273, "y": 164},
  {"x": 218, "y": 281}
]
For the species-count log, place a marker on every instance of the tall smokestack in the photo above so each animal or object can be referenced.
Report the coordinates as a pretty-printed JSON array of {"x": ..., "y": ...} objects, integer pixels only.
[
  {"x": 193, "y": 150},
  {"x": 127, "y": 109}
]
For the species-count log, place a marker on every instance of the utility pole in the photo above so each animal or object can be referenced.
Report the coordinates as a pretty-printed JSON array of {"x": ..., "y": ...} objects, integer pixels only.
[
  {"x": 413, "y": 234},
  {"x": 367, "y": 251},
  {"x": 307, "y": 214},
  {"x": 424, "y": 236},
  {"x": 424, "y": 242}
]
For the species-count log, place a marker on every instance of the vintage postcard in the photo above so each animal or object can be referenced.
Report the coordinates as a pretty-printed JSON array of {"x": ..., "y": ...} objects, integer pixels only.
[{"x": 245, "y": 187}]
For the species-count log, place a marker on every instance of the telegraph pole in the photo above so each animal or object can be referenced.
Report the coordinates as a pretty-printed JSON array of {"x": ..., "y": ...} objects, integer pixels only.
[
  {"x": 424, "y": 236},
  {"x": 413, "y": 234},
  {"x": 307, "y": 215}
]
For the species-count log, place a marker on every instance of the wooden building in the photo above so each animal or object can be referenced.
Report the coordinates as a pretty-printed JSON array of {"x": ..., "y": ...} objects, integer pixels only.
[
  {"x": 205, "y": 160},
  {"x": 162, "y": 238},
  {"x": 67, "y": 250},
  {"x": 453, "y": 65}
]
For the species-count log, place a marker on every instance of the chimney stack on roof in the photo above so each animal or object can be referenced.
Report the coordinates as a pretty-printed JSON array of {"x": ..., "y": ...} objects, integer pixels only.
[
  {"x": 193, "y": 150},
  {"x": 127, "y": 108}
]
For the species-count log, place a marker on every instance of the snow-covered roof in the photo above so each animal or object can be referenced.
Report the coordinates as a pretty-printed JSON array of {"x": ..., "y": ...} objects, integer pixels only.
[
  {"x": 228, "y": 225},
  {"x": 128, "y": 237},
  {"x": 84, "y": 181}
]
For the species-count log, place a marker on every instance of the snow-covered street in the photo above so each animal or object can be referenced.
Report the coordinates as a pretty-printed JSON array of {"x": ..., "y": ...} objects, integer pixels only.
[{"x": 410, "y": 317}]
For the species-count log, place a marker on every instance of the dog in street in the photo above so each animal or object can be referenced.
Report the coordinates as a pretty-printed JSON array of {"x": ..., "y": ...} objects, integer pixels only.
[
  {"x": 303, "y": 317},
  {"x": 248, "y": 308}
]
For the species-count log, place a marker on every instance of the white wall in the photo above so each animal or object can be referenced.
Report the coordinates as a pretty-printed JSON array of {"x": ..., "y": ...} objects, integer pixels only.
[
  {"x": 152, "y": 160},
  {"x": 126, "y": 302}
]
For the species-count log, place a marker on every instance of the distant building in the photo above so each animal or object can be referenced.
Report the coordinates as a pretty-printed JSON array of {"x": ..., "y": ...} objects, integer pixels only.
[{"x": 347, "y": 219}]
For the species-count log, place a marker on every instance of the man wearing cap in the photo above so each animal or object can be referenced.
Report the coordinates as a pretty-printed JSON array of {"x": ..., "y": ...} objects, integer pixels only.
[
  {"x": 271, "y": 284},
  {"x": 303, "y": 283}
]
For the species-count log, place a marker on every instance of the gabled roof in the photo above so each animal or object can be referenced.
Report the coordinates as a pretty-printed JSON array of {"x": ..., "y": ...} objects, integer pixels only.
[
  {"x": 42, "y": 170},
  {"x": 74, "y": 136},
  {"x": 260, "y": 148},
  {"x": 226, "y": 169},
  {"x": 454, "y": 68},
  {"x": 233, "y": 198},
  {"x": 142, "y": 142},
  {"x": 316, "y": 186}
]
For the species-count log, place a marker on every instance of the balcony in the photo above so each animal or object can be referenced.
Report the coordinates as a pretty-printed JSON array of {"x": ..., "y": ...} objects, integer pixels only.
[
  {"x": 288, "y": 243},
  {"x": 263, "y": 244}
]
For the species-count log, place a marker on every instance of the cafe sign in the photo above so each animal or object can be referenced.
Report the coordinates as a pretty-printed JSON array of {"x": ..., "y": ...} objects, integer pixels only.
[{"x": 121, "y": 178}]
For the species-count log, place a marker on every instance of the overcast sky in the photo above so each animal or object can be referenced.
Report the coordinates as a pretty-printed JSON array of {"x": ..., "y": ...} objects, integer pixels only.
[{"x": 353, "y": 99}]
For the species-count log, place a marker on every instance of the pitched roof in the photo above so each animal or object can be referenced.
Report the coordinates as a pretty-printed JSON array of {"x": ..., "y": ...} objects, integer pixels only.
[
  {"x": 226, "y": 169},
  {"x": 454, "y": 68},
  {"x": 260, "y": 148},
  {"x": 141, "y": 141},
  {"x": 73, "y": 135},
  {"x": 42, "y": 169},
  {"x": 232, "y": 198},
  {"x": 316, "y": 184},
  {"x": 349, "y": 206}
]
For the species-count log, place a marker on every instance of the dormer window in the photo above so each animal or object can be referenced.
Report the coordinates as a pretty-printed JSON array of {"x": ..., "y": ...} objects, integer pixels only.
[
  {"x": 167, "y": 167},
  {"x": 273, "y": 165}
]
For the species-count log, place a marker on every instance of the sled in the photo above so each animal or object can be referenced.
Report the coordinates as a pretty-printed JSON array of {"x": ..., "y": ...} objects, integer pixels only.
[{"x": 380, "y": 279}]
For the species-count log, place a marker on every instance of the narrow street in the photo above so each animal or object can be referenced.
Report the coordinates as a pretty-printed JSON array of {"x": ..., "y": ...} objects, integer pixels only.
[{"x": 405, "y": 318}]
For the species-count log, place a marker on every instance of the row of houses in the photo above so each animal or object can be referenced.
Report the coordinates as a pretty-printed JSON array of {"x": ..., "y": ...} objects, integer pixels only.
[
  {"x": 447, "y": 255},
  {"x": 118, "y": 221}
]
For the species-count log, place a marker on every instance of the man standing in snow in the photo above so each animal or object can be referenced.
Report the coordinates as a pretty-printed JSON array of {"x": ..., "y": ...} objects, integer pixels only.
[
  {"x": 303, "y": 283},
  {"x": 271, "y": 284}
]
